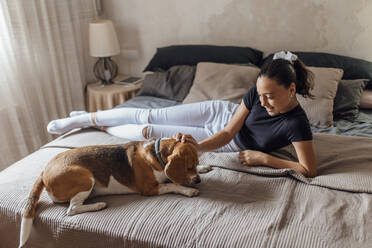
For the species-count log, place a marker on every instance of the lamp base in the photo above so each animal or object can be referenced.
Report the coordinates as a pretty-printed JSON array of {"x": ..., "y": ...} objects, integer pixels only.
[{"x": 105, "y": 70}]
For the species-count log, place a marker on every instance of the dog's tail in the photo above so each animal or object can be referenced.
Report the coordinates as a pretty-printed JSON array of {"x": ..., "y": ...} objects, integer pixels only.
[{"x": 29, "y": 210}]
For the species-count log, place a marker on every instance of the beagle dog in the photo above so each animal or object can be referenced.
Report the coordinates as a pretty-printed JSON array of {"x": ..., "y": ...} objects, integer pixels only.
[{"x": 135, "y": 167}]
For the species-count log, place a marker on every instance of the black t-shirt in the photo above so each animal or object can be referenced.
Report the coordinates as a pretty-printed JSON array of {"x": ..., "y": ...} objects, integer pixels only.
[{"x": 266, "y": 133}]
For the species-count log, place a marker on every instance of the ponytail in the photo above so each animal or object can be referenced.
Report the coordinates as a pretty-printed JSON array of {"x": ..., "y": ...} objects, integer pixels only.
[{"x": 304, "y": 79}]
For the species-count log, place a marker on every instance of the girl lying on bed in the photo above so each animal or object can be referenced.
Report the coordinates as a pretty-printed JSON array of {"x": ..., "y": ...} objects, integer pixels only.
[{"x": 268, "y": 118}]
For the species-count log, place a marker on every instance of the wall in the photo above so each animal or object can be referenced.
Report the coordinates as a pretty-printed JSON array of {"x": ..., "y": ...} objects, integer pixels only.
[{"x": 336, "y": 26}]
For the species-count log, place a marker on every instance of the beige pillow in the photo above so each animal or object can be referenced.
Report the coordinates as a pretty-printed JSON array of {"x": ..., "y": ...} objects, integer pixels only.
[
  {"x": 320, "y": 109},
  {"x": 366, "y": 99},
  {"x": 214, "y": 81}
]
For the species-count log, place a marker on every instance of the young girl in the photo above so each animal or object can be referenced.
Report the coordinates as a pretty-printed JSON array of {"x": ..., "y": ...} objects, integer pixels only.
[{"x": 268, "y": 118}]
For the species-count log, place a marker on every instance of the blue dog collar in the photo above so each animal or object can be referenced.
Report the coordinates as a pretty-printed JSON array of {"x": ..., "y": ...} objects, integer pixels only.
[{"x": 157, "y": 152}]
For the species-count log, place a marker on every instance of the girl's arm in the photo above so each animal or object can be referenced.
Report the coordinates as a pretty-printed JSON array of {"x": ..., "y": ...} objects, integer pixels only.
[
  {"x": 306, "y": 164},
  {"x": 224, "y": 136}
]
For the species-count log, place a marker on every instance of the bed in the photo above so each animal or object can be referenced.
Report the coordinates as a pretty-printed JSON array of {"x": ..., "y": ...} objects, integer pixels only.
[{"x": 237, "y": 206}]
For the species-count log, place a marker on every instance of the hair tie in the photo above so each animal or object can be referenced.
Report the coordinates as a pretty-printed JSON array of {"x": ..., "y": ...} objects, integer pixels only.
[{"x": 286, "y": 56}]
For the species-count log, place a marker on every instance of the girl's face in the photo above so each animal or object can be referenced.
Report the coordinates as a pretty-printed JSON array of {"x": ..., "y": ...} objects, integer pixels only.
[{"x": 276, "y": 98}]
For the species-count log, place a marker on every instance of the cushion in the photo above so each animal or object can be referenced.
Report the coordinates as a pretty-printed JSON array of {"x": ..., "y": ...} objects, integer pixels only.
[
  {"x": 173, "y": 84},
  {"x": 353, "y": 68},
  {"x": 320, "y": 109},
  {"x": 215, "y": 81},
  {"x": 347, "y": 100},
  {"x": 366, "y": 99},
  {"x": 169, "y": 56}
]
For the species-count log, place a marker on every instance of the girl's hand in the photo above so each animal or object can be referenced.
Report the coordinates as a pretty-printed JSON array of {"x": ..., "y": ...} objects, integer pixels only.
[
  {"x": 186, "y": 138},
  {"x": 252, "y": 158}
]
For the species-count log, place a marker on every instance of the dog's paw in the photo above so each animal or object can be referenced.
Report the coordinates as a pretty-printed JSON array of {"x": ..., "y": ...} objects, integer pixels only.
[
  {"x": 101, "y": 205},
  {"x": 190, "y": 192},
  {"x": 204, "y": 169}
]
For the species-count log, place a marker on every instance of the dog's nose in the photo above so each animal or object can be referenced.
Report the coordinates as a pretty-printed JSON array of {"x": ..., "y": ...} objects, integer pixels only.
[{"x": 197, "y": 180}]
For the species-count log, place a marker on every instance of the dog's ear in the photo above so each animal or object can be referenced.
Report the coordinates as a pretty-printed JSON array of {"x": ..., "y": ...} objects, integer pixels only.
[
  {"x": 175, "y": 169},
  {"x": 183, "y": 159}
]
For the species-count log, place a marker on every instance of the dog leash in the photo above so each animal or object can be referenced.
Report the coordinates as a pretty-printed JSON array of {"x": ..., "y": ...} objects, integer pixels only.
[{"x": 157, "y": 152}]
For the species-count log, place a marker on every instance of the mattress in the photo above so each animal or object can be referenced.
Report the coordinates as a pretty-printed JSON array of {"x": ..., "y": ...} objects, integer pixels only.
[{"x": 237, "y": 206}]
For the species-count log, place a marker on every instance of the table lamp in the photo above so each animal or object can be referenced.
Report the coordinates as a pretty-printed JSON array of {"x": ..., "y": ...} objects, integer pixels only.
[{"x": 103, "y": 43}]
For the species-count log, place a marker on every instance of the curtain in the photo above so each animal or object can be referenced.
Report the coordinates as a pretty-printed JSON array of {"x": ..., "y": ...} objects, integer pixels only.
[{"x": 44, "y": 64}]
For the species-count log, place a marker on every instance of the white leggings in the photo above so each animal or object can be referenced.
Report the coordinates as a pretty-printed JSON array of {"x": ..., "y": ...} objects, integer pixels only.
[{"x": 201, "y": 120}]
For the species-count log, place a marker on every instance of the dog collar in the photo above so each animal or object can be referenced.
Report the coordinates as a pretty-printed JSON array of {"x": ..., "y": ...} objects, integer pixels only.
[{"x": 157, "y": 152}]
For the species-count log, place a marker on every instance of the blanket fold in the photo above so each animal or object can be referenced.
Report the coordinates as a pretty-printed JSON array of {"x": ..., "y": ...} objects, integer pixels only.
[{"x": 344, "y": 163}]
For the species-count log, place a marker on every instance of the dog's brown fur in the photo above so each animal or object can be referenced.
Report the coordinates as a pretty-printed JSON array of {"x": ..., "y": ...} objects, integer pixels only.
[{"x": 132, "y": 165}]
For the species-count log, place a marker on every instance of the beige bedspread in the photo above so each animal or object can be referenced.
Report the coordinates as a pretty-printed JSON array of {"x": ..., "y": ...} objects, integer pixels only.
[
  {"x": 344, "y": 163},
  {"x": 237, "y": 207}
]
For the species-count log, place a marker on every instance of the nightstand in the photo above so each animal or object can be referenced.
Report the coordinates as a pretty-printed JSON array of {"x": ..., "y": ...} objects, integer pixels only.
[{"x": 101, "y": 97}]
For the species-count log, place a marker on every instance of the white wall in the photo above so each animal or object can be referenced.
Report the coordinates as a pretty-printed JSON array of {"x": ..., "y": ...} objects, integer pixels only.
[{"x": 336, "y": 26}]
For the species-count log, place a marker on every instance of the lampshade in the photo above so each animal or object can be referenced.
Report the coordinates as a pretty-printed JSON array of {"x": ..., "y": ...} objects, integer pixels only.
[{"x": 103, "y": 41}]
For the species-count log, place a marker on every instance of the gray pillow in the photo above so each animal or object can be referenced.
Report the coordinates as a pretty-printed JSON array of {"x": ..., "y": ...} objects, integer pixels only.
[
  {"x": 166, "y": 57},
  {"x": 347, "y": 100},
  {"x": 173, "y": 84}
]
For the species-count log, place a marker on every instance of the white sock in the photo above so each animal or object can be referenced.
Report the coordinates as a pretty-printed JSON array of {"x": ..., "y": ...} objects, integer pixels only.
[
  {"x": 129, "y": 131},
  {"x": 78, "y": 112},
  {"x": 61, "y": 126},
  {"x": 112, "y": 117}
]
